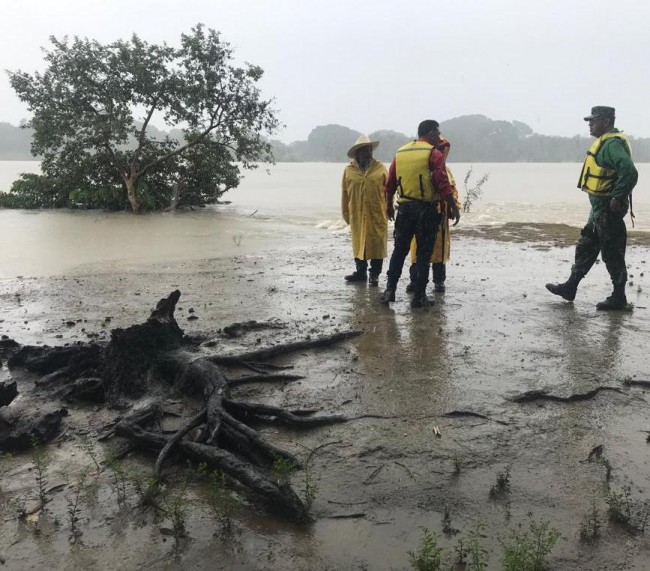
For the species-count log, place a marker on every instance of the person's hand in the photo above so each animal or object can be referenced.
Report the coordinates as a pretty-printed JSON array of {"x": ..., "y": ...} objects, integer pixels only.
[
  {"x": 619, "y": 206},
  {"x": 390, "y": 211},
  {"x": 453, "y": 213}
]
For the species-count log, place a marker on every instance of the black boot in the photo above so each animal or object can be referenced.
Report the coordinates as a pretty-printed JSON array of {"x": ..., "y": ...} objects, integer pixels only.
[
  {"x": 420, "y": 299},
  {"x": 616, "y": 301},
  {"x": 375, "y": 269},
  {"x": 361, "y": 273},
  {"x": 567, "y": 290},
  {"x": 356, "y": 277},
  {"x": 388, "y": 295},
  {"x": 439, "y": 274},
  {"x": 410, "y": 288}
]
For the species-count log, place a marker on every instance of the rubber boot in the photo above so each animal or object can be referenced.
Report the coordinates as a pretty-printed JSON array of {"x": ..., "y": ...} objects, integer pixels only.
[
  {"x": 375, "y": 269},
  {"x": 361, "y": 273},
  {"x": 568, "y": 289},
  {"x": 439, "y": 274},
  {"x": 387, "y": 296},
  {"x": 420, "y": 299},
  {"x": 410, "y": 288},
  {"x": 615, "y": 302}
]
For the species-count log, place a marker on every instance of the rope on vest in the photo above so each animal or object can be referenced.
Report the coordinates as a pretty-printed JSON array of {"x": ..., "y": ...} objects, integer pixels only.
[{"x": 632, "y": 217}]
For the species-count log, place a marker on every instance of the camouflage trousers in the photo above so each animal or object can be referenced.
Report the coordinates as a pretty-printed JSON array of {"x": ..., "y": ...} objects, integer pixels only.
[{"x": 605, "y": 235}]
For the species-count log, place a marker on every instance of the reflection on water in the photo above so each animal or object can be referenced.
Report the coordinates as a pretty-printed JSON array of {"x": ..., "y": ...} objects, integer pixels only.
[{"x": 57, "y": 242}]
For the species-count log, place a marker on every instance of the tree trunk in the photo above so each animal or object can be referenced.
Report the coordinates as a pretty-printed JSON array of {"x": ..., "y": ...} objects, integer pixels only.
[{"x": 130, "y": 193}]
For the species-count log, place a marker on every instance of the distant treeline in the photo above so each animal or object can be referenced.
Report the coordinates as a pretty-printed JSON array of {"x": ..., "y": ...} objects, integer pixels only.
[{"x": 474, "y": 138}]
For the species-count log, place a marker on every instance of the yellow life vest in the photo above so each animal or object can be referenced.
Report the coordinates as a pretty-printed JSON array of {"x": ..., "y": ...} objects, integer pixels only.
[
  {"x": 595, "y": 179},
  {"x": 413, "y": 173}
]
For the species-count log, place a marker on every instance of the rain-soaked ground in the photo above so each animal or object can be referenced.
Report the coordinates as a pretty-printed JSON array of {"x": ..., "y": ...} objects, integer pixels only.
[{"x": 494, "y": 334}]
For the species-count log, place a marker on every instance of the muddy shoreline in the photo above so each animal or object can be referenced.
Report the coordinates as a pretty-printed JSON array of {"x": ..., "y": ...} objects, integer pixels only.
[{"x": 496, "y": 333}]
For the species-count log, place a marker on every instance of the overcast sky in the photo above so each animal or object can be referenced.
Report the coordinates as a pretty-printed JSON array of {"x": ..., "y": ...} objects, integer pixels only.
[{"x": 380, "y": 64}]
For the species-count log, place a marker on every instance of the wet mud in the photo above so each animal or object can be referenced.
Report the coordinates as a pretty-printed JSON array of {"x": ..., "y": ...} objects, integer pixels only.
[{"x": 429, "y": 393}]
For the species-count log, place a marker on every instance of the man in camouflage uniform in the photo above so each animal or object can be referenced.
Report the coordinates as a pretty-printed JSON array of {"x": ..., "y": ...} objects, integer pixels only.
[{"x": 608, "y": 176}]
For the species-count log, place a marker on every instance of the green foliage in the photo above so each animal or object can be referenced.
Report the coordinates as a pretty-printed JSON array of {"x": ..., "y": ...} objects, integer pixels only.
[
  {"x": 477, "y": 555},
  {"x": 624, "y": 510},
  {"x": 527, "y": 550},
  {"x": 429, "y": 556},
  {"x": 92, "y": 108},
  {"x": 33, "y": 191},
  {"x": 282, "y": 467}
]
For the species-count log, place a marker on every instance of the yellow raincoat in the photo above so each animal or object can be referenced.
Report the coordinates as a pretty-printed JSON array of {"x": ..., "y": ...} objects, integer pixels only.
[
  {"x": 363, "y": 206},
  {"x": 442, "y": 247}
]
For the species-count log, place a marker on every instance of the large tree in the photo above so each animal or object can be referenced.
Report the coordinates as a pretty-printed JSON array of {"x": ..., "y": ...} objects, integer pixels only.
[{"x": 93, "y": 108}]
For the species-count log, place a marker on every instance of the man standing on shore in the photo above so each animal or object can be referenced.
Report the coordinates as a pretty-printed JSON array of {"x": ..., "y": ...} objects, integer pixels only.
[
  {"x": 363, "y": 207},
  {"x": 419, "y": 171},
  {"x": 608, "y": 176},
  {"x": 442, "y": 244}
]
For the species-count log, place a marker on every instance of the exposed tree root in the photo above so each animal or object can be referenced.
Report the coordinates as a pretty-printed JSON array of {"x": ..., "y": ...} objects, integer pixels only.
[
  {"x": 535, "y": 395},
  {"x": 285, "y": 348},
  {"x": 8, "y": 392},
  {"x": 461, "y": 413},
  {"x": 637, "y": 383},
  {"x": 155, "y": 357}
]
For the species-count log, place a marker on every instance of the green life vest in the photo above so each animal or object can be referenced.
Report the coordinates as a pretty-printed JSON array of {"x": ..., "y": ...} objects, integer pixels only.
[
  {"x": 413, "y": 172},
  {"x": 595, "y": 179}
]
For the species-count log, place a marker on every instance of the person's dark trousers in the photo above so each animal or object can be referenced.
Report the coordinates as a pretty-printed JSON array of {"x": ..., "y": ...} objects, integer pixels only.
[
  {"x": 439, "y": 271},
  {"x": 419, "y": 219},
  {"x": 606, "y": 235},
  {"x": 375, "y": 266}
]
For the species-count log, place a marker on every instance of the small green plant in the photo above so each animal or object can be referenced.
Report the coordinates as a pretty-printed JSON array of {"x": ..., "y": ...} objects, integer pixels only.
[
  {"x": 120, "y": 479},
  {"x": 477, "y": 555},
  {"x": 282, "y": 467},
  {"x": 502, "y": 486},
  {"x": 41, "y": 461},
  {"x": 527, "y": 550},
  {"x": 457, "y": 459},
  {"x": 624, "y": 510},
  {"x": 461, "y": 552},
  {"x": 221, "y": 502},
  {"x": 89, "y": 446},
  {"x": 429, "y": 556},
  {"x": 74, "y": 508},
  {"x": 620, "y": 506},
  {"x": 174, "y": 507},
  {"x": 591, "y": 523},
  {"x": 147, "y": 488},
  {"x": 473, "y": 191},
  {"x": 311, "y": 487},
  {"x": 447, "y": 528}
]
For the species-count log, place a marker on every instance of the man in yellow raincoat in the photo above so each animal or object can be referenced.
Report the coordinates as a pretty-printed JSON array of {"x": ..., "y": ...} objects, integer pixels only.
[
  {"x": 442, "y": 247},
  {"x": 363, "y": 206}
]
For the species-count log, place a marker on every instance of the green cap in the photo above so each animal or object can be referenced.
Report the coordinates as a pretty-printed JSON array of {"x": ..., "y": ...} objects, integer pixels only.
[{"x": 601, "y": 111}]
